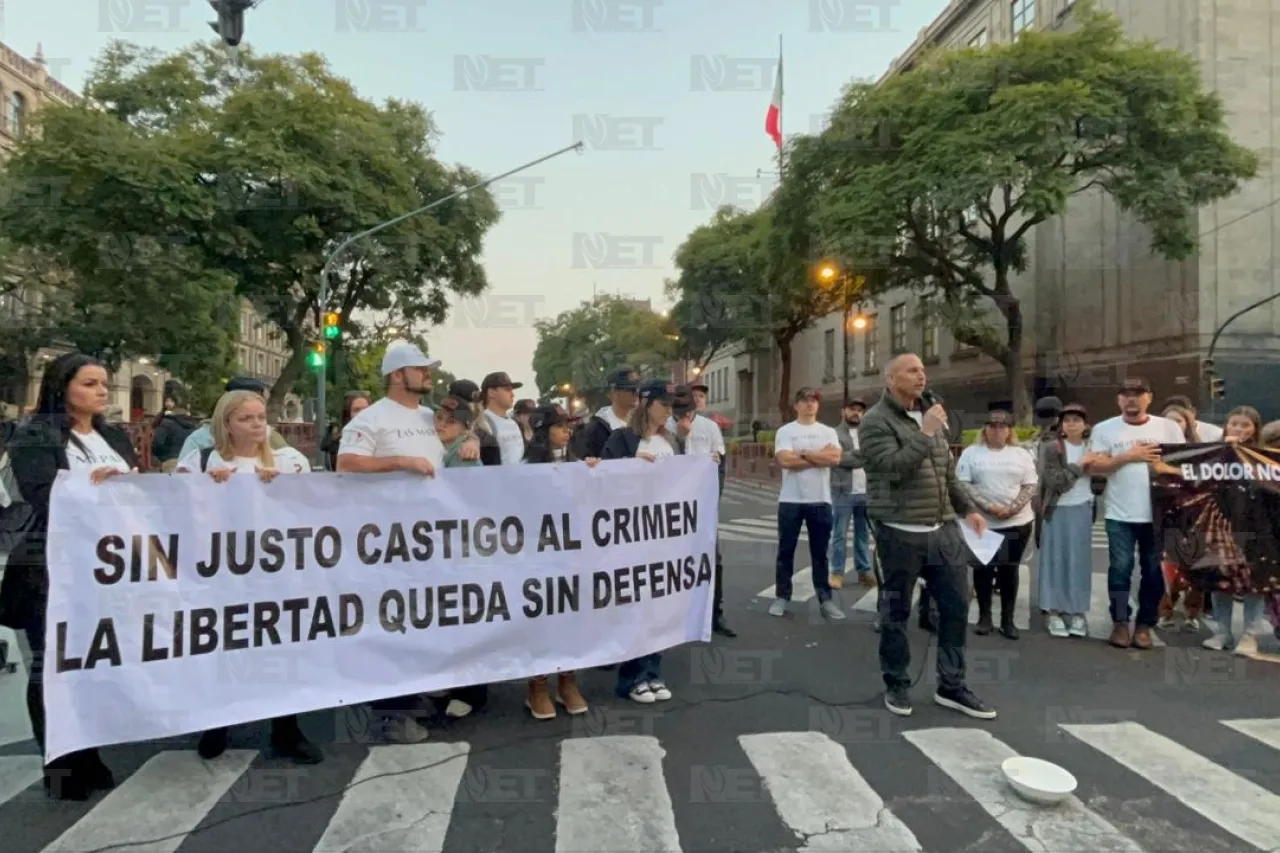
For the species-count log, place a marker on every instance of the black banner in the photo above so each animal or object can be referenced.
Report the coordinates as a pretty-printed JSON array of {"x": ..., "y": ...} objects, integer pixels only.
[{"x": 1216, "y": 509}]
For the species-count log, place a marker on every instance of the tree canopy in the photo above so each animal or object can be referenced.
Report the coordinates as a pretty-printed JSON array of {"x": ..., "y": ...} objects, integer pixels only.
[
  {"x": 581, "y": 347},
  {"x": 188, "y": 179},
  {"x": 937, "y": 176}
]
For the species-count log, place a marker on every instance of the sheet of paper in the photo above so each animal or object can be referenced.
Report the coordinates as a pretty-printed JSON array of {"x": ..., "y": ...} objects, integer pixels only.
[{"x": 984, "y": 547}]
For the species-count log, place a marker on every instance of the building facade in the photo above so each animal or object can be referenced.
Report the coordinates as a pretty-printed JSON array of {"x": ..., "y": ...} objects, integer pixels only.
[
  {"x": 1098, "y": 305},
  {"x": 138, "y": 386}
]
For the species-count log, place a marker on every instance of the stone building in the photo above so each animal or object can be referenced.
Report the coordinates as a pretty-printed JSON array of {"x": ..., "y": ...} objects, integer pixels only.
[
  {"x": 1098, "y": 305},
  {"x": 138, "y": 387}
]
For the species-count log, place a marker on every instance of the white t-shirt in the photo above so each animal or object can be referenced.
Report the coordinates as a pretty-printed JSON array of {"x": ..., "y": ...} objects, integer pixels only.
[
  {"x": 998, "y": 476},
  {"x": 610, "y": 417},
  {"x": 1079, "y": 493},
  {"x": 813, "y": 485},
  {"x": 1128, "y": 495},
  {"x": 287, "y": 461},
  {"x": 510, "y": 438},
  {"x": 99, "y": 455},
  {"x": 656, "y": 445},
  {"x": 1208, "y": 432},
  {"x": 389, "y": 429},
  {"x": 704, "y": 438}
]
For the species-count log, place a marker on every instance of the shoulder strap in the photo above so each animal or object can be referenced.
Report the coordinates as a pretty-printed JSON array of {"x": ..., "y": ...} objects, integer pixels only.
[{"x": 205, "y": 453}]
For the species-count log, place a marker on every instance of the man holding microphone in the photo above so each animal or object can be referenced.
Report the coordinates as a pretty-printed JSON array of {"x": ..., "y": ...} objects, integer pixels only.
[{"x": 913, "y": 503}]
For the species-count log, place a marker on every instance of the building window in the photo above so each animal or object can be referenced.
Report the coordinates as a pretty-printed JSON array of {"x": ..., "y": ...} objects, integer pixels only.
[
  {"x": 17, "y": 113},
  {"x": 870, "y": 343},
  {"x": 244, "y": 359},
  {"x": 1023, "y": 13},
  {"x": 929, "y": 337},
  {"x": 829, "y": 355},
  {"x": 898, "y": 329},
  {"x": 979, "y": 40}
]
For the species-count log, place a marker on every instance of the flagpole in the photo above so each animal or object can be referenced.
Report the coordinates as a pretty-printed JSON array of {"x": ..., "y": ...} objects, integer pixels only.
[{"x": 781, "y": 112}]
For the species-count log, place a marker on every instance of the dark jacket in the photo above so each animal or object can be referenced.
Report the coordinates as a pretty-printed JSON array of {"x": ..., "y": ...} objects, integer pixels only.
[
  {"x": 911, "y": 478},
  {"x": 38, "y": 452},
  {"x": 1057, "y": 476},
  {"x": 490, "y": 449},
  {"x": 624, "y": 443},
  {"x": 169, "y": 437},
  {"x": 590, "y": 437},
  {"x": 850, "y": 461}
]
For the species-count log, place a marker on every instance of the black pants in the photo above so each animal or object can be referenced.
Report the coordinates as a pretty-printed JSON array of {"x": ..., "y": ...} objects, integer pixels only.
[
  {"x": 72, "y": 762},
  {"x": 817, "y": 519},
  {"x": 284, "y": 730},
  {"x": 941, "y": 558},
  {"x": 1002, "y": 571}
]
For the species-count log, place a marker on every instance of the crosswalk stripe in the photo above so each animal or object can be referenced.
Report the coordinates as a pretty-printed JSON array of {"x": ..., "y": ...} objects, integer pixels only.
[
  {"x": 155, "y": 809},
  {"x": 15, "y": 725},
  {"x": 802, "y": 588},
  {"x": 1244, "y": 809},
  {"x": 756, "y": 523},
  {"x": 613, "y": 796},
  {"x": 400, "y": 799},
  {"x": 17, "y": 774},
  {"x": 819, "y": 794},
  {"x": 972, "y": 758},
  {"x": 1264, "y": 731}
]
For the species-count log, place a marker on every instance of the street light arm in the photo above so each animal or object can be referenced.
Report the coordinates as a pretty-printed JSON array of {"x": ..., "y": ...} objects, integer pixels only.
[{"x": 1214, "y": 342}]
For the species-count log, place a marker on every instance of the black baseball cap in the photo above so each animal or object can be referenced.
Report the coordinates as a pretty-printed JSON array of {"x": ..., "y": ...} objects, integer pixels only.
[
  {"x": 624, "y": 379},
  {"x": 1048, "y": 407},
  {"x": 656, "y": 390},
  {"x": 549, "y": 415},
  {"x": 855, "y": 403},
  {"x": 499, "y": 380},
  {"x": 525, "y": 407},
  {"x": 1077, "y": 410},
  {"x": 1134, "y": 385},
  {"x": 459, "y": 409},
  {"x": 247, "y": 383},
  {"x": 464, "y": 389}
]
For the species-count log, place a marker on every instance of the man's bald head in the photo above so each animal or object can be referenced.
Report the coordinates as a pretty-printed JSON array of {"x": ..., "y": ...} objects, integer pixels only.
[{"x": 904, "y": 377}]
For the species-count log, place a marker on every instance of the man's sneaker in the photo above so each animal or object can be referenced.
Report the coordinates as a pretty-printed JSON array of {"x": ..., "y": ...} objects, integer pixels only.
[
  {"x": 832, "y": 611},
  {"x": 778, "y": 608},
  {"x": 962, "y": 699},
  {"x": 1057, "y": 627},
  {"x": 1246, "y": 645},
  {"x": 457, "y": 709},
  {"x": 898, "y": 701}
]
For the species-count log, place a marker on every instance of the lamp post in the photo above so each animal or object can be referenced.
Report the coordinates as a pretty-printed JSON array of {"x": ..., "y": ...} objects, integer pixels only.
[
  {"x": 342, "y": 247},
  {"x": 1210, "y": 375},
  {"x": 851, "y": 286}
]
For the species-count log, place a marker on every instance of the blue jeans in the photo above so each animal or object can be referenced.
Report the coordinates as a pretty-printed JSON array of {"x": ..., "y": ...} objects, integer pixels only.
[
  {"x": 1224, "y": 604},
  {"x": 638, "y": 671},
  {"x": 816, "y": 519},
  {"x": 851, "y": 507},
  {"x": 1122, "y": 538}
]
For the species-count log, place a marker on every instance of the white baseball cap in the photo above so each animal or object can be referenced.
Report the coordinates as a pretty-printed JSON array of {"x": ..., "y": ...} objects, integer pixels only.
[{"x": 402, "y": 354}]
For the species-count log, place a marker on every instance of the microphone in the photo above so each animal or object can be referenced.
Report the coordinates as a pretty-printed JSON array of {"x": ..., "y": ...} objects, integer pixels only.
[{"x": 928, "y": 399}]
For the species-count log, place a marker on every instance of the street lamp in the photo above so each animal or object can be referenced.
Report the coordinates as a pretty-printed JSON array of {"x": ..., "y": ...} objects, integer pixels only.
[
  {"x": 830, "y": 274},
  {"x": 1217, "y": 388}
]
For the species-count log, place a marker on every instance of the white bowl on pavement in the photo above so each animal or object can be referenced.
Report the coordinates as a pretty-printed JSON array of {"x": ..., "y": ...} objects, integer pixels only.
[{"x": 1038, "y": 781}]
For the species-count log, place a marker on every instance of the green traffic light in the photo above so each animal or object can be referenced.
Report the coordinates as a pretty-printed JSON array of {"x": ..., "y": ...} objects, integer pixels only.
[
  {"x": 331, "y": 332},
  {"x": 315, "y": 360}
]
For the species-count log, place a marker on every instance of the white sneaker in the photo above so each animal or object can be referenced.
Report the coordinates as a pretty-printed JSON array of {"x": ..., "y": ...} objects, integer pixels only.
[
  {"x": 642, "y": 694},
  {"x": 1247, "y": 646},
  {"x": 1191, "y": 626},
  {"x": 660, "y": 691},
  {"x": 1057, "y": 627},
  {"x": 1079, "y": 627},
  {"x": 457, "y": 709},
  {"x": 778, "y": 608},
  {"x": 1217, "y": 642},
  {"x": 1167, "y": 624}
]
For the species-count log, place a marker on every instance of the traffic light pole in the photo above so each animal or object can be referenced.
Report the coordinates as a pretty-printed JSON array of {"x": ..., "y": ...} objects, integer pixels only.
[
  {"x": 327, "y": 269},
  {"x": 1213, "y": 343}
]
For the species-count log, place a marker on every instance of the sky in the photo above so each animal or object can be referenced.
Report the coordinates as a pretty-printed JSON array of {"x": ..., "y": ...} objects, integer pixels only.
[{"x": 669, "y": 96}]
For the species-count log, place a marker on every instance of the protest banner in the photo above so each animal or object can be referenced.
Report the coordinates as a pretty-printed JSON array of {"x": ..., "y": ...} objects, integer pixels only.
[
  {"x": 1216, "y": 509},
  {"x": 177, "y": 604}
]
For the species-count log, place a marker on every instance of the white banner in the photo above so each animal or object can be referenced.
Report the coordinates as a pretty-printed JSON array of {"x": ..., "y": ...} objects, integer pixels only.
[{"x": 177, "y": 604}]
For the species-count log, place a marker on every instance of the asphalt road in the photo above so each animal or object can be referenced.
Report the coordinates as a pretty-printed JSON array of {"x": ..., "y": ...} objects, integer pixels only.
[{"x": 775, "y": 740}]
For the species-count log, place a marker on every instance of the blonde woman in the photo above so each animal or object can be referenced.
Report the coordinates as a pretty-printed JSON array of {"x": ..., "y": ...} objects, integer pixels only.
[
  {"x": 1185, "y": 420},
  {"x": 1000, "y": 478},
  {"x": 241, "y": 442}
]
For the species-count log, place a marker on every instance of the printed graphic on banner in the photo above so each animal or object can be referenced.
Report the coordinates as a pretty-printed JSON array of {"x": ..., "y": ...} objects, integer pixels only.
[
  {"x": 178, "y": 604},
  {"x": 1217, "y": 508}
]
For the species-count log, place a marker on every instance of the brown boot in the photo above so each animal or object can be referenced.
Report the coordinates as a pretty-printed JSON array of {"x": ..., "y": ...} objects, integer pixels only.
[
  {"x": 1142, "y": 637},
  {"x": 570, "y": 697},
  {"x": 539, "y": 702},
  {"x": 1120, "y": 636}
]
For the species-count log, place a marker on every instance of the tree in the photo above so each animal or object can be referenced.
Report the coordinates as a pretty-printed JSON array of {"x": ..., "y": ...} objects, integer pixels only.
[
  {"x": 938, "y": 175},
  {"x": 247, "y": 176},
  {"x": 583, "y": 346},
  {"x": 720, "y": 287}
]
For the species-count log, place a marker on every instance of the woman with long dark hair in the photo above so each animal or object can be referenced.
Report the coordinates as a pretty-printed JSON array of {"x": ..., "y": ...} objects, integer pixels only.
[
  {"x": 68, "y": 431},
  {"x": 551, "y": 431},
  {"x": 353, "y": 404}
]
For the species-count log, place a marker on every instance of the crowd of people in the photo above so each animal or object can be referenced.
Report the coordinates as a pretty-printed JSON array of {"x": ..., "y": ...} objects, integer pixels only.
[
  {"x": 473, "y": 425},
  {"x": 888, "y": 471}
]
